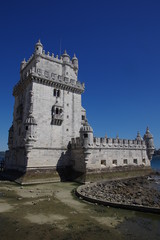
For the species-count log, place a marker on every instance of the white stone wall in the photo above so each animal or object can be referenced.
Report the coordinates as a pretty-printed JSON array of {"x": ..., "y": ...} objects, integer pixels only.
[
  {"x": 48, "y": 158},
  {"x": 110, "y": 155},
  {"x": 49, "y": 135},
  {"x": 105, "y": 158},
  {"x": 78, "y": 160},
  {"x": 52, "y": 140}
]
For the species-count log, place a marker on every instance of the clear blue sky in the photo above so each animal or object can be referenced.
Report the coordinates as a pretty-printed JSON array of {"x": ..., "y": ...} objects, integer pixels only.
[{"x": 118, "y": 46}]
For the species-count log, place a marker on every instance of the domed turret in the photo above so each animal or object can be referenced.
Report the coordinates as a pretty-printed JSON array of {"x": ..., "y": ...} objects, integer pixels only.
[
  {"x": 148, "y": 138},
  {"x": 86, "y": 134},
  {"x": 65, "y": 57},
  {"x": 38, "y": 47},
  {"x": 30, "y": 138},
  {"x": 139, "y": 138},
  {"x": 75, "y": 62}
]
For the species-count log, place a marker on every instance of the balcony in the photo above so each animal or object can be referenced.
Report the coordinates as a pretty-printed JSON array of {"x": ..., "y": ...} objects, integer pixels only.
[{"x": 57, "y": 119}]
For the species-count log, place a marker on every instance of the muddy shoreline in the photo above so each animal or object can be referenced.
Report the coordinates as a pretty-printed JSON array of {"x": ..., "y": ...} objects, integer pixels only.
[{"x": 52, "y": 211}]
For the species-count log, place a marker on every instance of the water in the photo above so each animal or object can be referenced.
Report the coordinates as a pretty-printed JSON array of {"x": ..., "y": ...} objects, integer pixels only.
[
  {"x": 155, "y": 163},
  {"x": 2, "y": 154}
]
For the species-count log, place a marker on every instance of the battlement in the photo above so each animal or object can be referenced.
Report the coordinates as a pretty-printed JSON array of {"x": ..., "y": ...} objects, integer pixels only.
[
  {"x": 41, "y": 61},
  {"x": 110, "y": 143},
  {"x": 51, "y": 57},
  {"x": 50, "y": 70}
]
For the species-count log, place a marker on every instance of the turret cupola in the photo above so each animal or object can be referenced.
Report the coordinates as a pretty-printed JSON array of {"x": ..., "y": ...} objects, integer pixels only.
[
  {"x": 148, "y": 135},
  {"x": 65, "y": 57},
  {"x": 139, "y": 138},
  {"x": 148, "y": 138},
  {"x": 38, "y": 47},
  {"x": 86, "y": 134},
  {"x": 75, "y": 62}
]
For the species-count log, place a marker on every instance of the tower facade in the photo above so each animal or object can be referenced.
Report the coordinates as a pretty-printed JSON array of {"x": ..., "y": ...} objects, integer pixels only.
[{"x": 47, "y": 112}]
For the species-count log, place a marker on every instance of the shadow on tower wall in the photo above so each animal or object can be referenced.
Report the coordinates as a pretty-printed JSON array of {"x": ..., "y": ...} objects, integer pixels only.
[
  {"x": 63, "y": 171},
  {"x": 65, "y": 168}
]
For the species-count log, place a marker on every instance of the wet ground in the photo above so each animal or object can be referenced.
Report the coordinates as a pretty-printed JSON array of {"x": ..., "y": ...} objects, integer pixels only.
[{"x": 51, "y": 211}]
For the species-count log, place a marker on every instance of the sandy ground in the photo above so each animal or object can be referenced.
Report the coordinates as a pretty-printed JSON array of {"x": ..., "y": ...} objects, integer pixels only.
[
  {"x": 5, "y": 207},
  {"x": 61, "y": 214},
  {"x": 41, "y": 218}
]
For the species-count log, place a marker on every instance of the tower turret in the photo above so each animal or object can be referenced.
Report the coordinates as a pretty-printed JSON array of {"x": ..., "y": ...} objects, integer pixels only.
[
  {"x": 38, "y": 47},
  {"x": 75, "y": 62},
  {"x": 86, "y": 134},
  {"x": 139, "y": 138},
  {"x": 148, "y": 138},
  {"x": 65, "y": 57}
]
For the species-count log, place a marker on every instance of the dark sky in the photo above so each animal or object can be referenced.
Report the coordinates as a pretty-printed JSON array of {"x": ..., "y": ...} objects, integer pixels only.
[{"x": 118, "y": 47}]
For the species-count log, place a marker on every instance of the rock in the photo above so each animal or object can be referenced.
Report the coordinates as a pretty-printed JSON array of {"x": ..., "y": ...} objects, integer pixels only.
[{"x": 19, "y": 198}]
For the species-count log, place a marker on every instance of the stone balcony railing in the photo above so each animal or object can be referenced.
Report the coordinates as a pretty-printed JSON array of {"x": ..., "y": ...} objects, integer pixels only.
[{"x": 57, "y": 119}]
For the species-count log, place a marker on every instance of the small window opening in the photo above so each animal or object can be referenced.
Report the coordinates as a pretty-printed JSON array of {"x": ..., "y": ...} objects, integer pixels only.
[
  {"x": 135, "y": 161},
  {"x": 67, "y": 104},
  {"x": 67, "y": 116},
  {"x": 67, "y": 129},
  {"x": 56, "y": 93},
  {"x": 144, "y": 161},
  {"x": 56, "y": 110},
  {"x": 26, "y": 128},
  {"x": 103, "y": 162},
  {"x": 114, "y": 162},
  {"x": 37, "y": 48},
  {"x": 125, "y": 161},
  {"x": 83, "y": 117},
  {"x": 85, "y": 135}
]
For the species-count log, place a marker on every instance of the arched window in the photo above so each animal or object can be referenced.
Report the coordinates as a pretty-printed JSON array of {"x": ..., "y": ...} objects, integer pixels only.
[
  {"x": 57, "y": 111},
  {"x": 56, "y": 92}
]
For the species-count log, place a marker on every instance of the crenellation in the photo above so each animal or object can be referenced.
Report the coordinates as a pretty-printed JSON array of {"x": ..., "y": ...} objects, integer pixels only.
[{"x": 114, "y": 143}]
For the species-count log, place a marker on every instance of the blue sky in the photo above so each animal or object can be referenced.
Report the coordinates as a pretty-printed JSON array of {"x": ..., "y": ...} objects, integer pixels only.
[{"x": 117, "y": 43}]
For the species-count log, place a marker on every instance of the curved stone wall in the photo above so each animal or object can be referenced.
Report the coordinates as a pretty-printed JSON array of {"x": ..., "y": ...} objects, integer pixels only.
[{"x": 97, "y": 192}]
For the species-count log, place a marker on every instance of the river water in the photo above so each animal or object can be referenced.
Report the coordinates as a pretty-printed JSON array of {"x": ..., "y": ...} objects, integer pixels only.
[{"x": 155, "y": 163}]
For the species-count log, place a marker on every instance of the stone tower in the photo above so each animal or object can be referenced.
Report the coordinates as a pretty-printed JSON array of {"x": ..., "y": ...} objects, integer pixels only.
[{"x": 47, "y": 112}]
